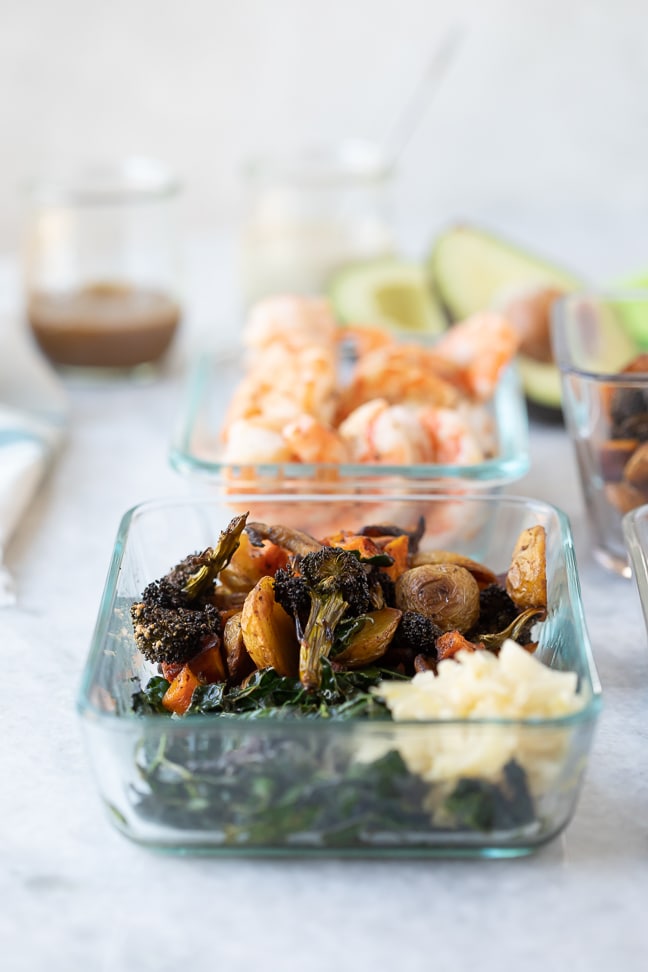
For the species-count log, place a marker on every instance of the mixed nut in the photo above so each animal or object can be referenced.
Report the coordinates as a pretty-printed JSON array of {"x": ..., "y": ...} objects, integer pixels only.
[{"x": 624, "y": 455}]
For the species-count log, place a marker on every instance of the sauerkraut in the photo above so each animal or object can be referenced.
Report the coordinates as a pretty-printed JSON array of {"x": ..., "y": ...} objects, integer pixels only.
[{"x": 481, "y": 685}]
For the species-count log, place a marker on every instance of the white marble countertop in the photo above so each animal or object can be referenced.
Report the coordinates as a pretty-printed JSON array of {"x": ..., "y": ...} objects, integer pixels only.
[{"x": 77, "y": 895}]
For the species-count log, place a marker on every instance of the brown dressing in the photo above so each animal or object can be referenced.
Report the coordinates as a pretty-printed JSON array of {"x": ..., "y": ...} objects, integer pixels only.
[{"x": 103, "y": 325}]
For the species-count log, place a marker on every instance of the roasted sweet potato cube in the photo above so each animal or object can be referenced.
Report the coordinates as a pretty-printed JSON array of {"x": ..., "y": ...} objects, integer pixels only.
[
  {"x": 364, "y": 546},
  {"x": 209, "y": 665},
  {"x": 177, "y": 697},
  {"x": 451, "y": 642},
  {"x": 398, "y": 550}
]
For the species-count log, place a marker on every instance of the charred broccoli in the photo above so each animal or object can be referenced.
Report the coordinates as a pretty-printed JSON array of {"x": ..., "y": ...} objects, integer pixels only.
[
  {"x": 337, "y": 584},
  {"x": 418, "y": 633},
  {"x": 496, "y": 610},
  {"x": 168, "y": 627},
  {"x": 415, "y": 635},
  {"x": 499, "y": 618},
  {"x": 292, "y": 594},
  {"x": 175, "y": 615}
]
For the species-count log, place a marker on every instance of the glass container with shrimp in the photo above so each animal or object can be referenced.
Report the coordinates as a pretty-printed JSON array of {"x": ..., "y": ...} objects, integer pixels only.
[{"x": 308, "y": 404}]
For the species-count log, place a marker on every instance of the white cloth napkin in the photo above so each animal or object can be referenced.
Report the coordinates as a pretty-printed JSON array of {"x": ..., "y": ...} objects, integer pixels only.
[{"x": 33, "y": 417}]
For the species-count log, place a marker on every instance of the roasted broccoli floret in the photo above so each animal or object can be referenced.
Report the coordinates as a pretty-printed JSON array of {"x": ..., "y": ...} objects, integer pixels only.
[
  {"x": 175, "y": 615},
  {"x": 338, "y": 586},
  {"x": 166, "y": 630},
  {"x": 334, "y": 571},
  {"x": 415, "y": 635},
  {"x": 180, "y": 575},
  {"x": 418, "y": 633},
  {"x": 496, "y": 610},
  {"x": 214, "y": 559},
  {"x": 291, "y": 592},
  {"x": 499, "y": 618}
]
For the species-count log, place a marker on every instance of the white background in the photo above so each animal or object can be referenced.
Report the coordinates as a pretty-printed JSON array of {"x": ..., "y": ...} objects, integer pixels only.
[{"x": 540, "y": 128}]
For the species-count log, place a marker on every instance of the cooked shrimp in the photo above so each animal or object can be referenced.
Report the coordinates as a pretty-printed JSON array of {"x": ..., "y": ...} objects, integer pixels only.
[
  {"x": 450, "y": 437},
  {"x": 365, "y": 338},
  {"x": 399, "y": 374},
  {"x": 266, "y": 407},
  {"x": 295, "y": 322},
  {"x": 282, "y": 385},
  {"x": 312, "y": 441},
  {"x": 251, "y": 442},
  {"x": 405, "y": 404},
  {"x": 482, "y": 425},
  {"x": 481, "y": 346},
  {"x": 383, "y": 433}
]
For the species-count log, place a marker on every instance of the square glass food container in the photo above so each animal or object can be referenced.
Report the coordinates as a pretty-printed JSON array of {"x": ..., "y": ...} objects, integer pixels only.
[
  {"x": 234, "y": 786},
  {"x": 635, "y": 529},
  {"x": 197, "y": 449},
  {"x": 599, "y": 343}
]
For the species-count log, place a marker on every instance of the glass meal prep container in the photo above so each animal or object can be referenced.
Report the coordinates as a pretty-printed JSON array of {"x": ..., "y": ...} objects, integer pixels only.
[
  {"x": 228, "y": 785},
  {"x": 635, "y": 530},
  {"x": 197, "y": 449},
  {"x": 599, "y": 343}
]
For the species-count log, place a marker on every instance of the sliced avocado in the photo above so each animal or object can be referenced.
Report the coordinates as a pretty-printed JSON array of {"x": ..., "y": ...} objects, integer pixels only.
[
  {"x": 472, "y": 270},
  {"x": 389, "y": 293}
]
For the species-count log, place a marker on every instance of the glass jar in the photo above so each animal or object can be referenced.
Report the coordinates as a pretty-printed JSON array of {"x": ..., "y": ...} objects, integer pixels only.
[
  {"x": 101, "y": 265},
  {"x": 310, "y": 214},
  {"x": 600, "y": 343}
]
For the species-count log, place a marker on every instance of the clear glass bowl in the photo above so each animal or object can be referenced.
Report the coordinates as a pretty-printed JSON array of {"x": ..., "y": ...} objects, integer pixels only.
[
  {"x": 196, "y": 447},
  {"x": 233, "y": 786},
  {"x": 311, "y": 212},
  {"x": 635, "y": 529},
  {"x": 595, "y": 336},
  {"x": 101, "y": 266}
]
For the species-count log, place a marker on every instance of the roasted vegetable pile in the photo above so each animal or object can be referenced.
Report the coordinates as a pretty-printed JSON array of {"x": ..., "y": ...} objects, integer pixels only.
[{"x": 274, "y": 621}]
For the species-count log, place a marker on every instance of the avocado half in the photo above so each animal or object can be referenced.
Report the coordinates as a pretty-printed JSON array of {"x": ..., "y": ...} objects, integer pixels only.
[
  {"x": 390, "y": 293},
  {"x": 632, "y": 306},
  {"x": 472, "y": 269}
]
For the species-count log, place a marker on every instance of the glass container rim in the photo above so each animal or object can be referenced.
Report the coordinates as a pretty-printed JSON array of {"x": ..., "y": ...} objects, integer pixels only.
[
  {"x": 635, "y": 524},
  {"x": 510, "y": 464},
  {"x": 136, "y": 179},
  {"x": 637, "y": 516},
  {"x": 559, "y": 311},
  {"x": 87, "y": 709}
]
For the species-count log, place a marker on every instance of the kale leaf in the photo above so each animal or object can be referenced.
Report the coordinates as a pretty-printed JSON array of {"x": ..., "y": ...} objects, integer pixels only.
[{"x": 148, "y": 701}]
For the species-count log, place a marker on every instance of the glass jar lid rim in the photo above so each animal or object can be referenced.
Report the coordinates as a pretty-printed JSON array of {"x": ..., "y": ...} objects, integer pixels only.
[{"x": 130, "y": 180}]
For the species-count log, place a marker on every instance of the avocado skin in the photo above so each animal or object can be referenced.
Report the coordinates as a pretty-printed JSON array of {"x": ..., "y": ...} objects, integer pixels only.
[{"x": 544, "y": 414}]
